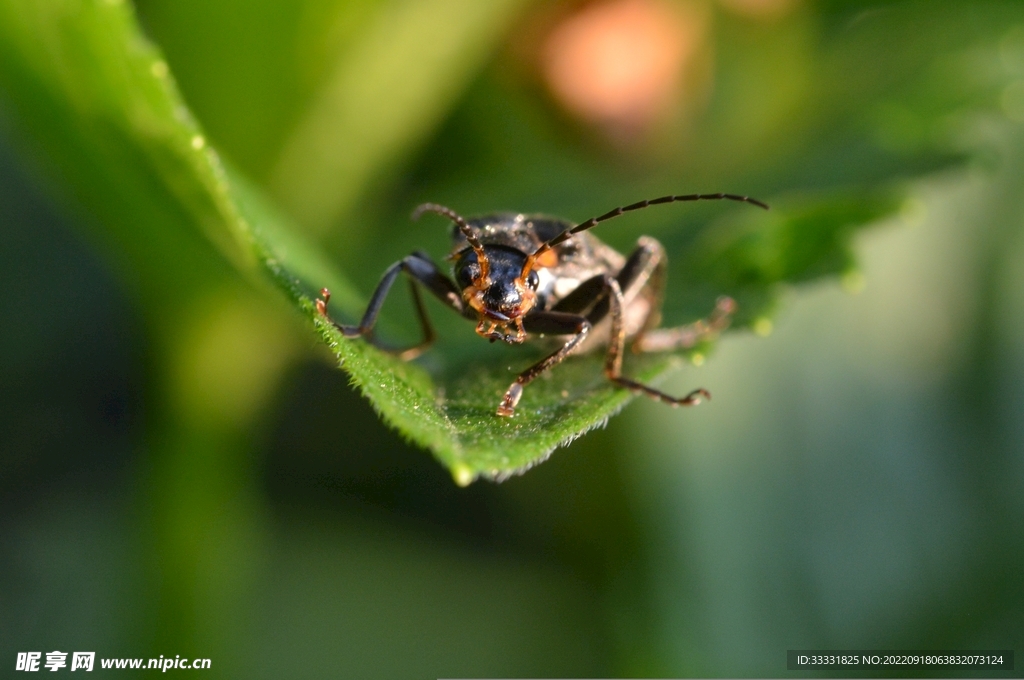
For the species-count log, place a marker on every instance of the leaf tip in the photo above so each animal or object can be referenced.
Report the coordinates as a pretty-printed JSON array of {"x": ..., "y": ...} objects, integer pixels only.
[{"x": 462, "y": 474}]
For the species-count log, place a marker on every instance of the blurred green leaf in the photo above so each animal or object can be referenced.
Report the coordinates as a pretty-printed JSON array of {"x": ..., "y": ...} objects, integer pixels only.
[
  {"x": 392, "y": 85},
  {"x": 802, "y": 239}
]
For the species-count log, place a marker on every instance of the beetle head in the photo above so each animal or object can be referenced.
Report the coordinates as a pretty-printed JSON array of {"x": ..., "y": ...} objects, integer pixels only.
[
  {"x": 498, "y": 282},
  {"x": 495, "y": 287}
]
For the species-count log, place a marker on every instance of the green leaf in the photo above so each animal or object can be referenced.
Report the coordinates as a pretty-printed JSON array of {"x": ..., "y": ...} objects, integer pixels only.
[
  {"x": 800, "y": 240},
  {"x": 390, "y": 87},
  {"x": 99, "y": 99},
  {"x": 455, "y": 416}
]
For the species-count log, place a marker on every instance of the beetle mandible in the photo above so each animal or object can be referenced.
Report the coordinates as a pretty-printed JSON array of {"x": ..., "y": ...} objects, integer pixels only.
[{"x": 517, "y": 275}]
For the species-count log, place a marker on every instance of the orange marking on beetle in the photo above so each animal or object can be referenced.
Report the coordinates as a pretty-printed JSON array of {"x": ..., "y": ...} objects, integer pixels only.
[{"x": 549, "y": 258}]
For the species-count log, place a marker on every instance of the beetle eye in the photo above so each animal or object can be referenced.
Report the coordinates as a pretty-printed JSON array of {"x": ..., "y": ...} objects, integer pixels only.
[
  {"x": 532, "y": 280},
  {"x": 467, "y": 274}
]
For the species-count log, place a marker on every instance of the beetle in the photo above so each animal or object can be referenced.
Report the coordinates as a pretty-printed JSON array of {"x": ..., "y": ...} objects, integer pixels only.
[{"x": 519, "y": 275}]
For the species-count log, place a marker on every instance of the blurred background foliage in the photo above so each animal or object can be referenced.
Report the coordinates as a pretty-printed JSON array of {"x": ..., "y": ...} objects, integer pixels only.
[{"x": 183, "y": 472}]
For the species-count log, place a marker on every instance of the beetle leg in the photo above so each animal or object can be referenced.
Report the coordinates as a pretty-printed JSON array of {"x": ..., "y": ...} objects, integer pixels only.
[
  {"x": 584, "y": 300},
  {"x": 613, "y": 359},
  {"x": 644, "y": 273},
  {"x": 684, "y": 337},
  {"x": 429, "y": 335},
  {"x": 420, "y": 270},
  {"x": 555, "y": 323}
]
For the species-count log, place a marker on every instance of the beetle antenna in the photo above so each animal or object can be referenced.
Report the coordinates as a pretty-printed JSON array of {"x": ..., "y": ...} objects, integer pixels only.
[
  {"x": 594, "y": 221},
  {"x": 464, "y": 227},
  {"x": 455, "y": 217}
]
